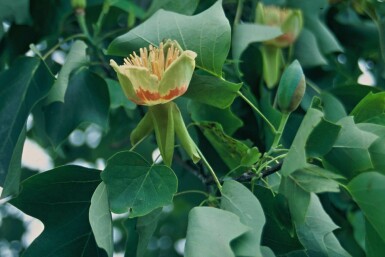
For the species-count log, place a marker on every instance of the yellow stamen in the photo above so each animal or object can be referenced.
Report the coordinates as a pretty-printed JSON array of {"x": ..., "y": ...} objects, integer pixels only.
[{"x": 153, "y": 59}]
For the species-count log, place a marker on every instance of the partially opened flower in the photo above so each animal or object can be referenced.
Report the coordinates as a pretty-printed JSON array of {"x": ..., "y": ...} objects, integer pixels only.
[
  {"x": 157, "y": 75},
  {"x": 289, "y": 20}
]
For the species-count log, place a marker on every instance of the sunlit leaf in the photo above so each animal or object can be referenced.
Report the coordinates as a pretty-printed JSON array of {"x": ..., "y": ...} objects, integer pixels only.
[
  {"x": 101, "y": 220},
  {"x": 209, "y": 227},
  {"x": 207, "y": 34},
  {"x": 136, "y": 186},
  {"x": 237, "y": 199}
]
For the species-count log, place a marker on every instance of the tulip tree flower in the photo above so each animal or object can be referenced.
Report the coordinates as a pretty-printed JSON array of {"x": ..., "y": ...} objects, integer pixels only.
[
  {"x": 290, "y": 22},
  {"x": 157, "y": 75},
  {"x": 154, "y": 78}
]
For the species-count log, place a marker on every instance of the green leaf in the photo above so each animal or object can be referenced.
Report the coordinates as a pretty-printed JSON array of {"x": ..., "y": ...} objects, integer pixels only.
[
  {"x": 377, "y": 154},
  {"x": 351, "y": 95},
  {"x": 13, "y": 178},
  {"x": 371, "y": 109},
  {"x": 247, "y": 33},
  {"x": 333, "y": 109},
  {"x": 229, "y": 149},
  {"x": 306, "y": 50},
  {"x": 184, "y": 7},
  {"x": 237, "y": 199},
  {"x": 207, "y": 34},
  {"x": 375, "y": 129},
  {"x": 117, "y": 96},
  {"x": 374, "y": 244},
  {"x": 315, "y": 179},
  {"x": 163, "y": 122},
  {"x": 326, "y": 41},
  {"x": 86, "y": 100},
  {"x": 15, "y": 11},
  {"x": 61, "y": 198},
  {"x": 19, "y": 93},
  {"x": 350, "y": 153},
  {"x": 203, "y": 87},
  {"x": 296, "y": 158},
  {"x": 136, "y": 186},
  {"x": 278, "y": 232},
  {"x": 203, "y": 112},
  {"x": 316, "y": 232},
  {"x": 75, "y": 59},
  {"x": 101, "y": 220},
  {"x": 367, "y": 190},
  {"x": 210, "y": 227},
  {"x": 298, "y": 199},
  {"x": 322, "y": 138},
  {"x": 146, "y": 226}
]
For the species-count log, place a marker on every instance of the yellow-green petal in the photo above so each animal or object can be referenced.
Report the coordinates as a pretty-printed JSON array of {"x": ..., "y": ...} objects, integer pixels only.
[{"x": 177, "y": 77}]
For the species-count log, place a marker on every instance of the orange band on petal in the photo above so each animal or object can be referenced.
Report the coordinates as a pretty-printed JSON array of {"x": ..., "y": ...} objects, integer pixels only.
[{"x": 148, "y": 97}]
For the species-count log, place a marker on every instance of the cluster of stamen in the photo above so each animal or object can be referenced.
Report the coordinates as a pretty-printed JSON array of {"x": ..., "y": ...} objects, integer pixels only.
[{"x": 155, "y": 60}]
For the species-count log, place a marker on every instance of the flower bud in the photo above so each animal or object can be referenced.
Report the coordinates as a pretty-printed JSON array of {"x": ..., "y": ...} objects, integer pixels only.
[
  {"x": 290, "y": 22},
  {"x": 78, "y": 4},
  {"x": 291, "y": 88},
  {"x": 156, "y": 75}
]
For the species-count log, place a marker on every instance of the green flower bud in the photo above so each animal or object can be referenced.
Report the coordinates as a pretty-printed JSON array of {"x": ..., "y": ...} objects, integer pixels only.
[
  {"x": 289, "y": 20},
  {"x": 78, "y": 4},
  {"x": 157, "y": 75},
  {"x": 291, "y": 88}
]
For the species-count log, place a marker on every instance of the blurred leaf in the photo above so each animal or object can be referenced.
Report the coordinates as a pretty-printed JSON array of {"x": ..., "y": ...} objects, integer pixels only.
[
  {"x": 371, "y": 109},
  {"x": 326, "y": 41},
  {"x": 101, "y": 220},
  {"x": 210, "y": 227},
  {"x": 12, "y": 228},
  {"x": 229, "y": 149},
  {"x": 350, "y": 154},
  {"x": 135, "y": 185},
  {"x": 75, "y": 59},
  {"x": 117, "y": 96},
  {"x": 48, "y": 15},
  {"x": 306, "y": 50},
  {"x": 128, "y": 7},
  {"x": 207, "y": 34},
  {"x": 247, "y": 33},
  {"x": 146, "y": 226},
  {"x": 267, "y": 252},
  {"x": 351, "y": 95},
  {"x": 182, "y": 6},
  {"x": 316, "y": 232},
  {"x": 212, "y": 91},
  {"x": 202, "y": 112},
  {"x": 374, "y": 244},
  {"x": 367, "y": 190},
  {"x": 22, "y": 86},
  {"x": 237, "y": 199},
  {"x": 15, "y": 11},
  {"x": 86, "y": 100},
  {"x": 322, "y": 138},
  {"x": 60, "y": 198}
]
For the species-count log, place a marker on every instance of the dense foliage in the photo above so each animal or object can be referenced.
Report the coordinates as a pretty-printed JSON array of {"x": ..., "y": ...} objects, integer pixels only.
[{"x": 277, "y": 148}]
